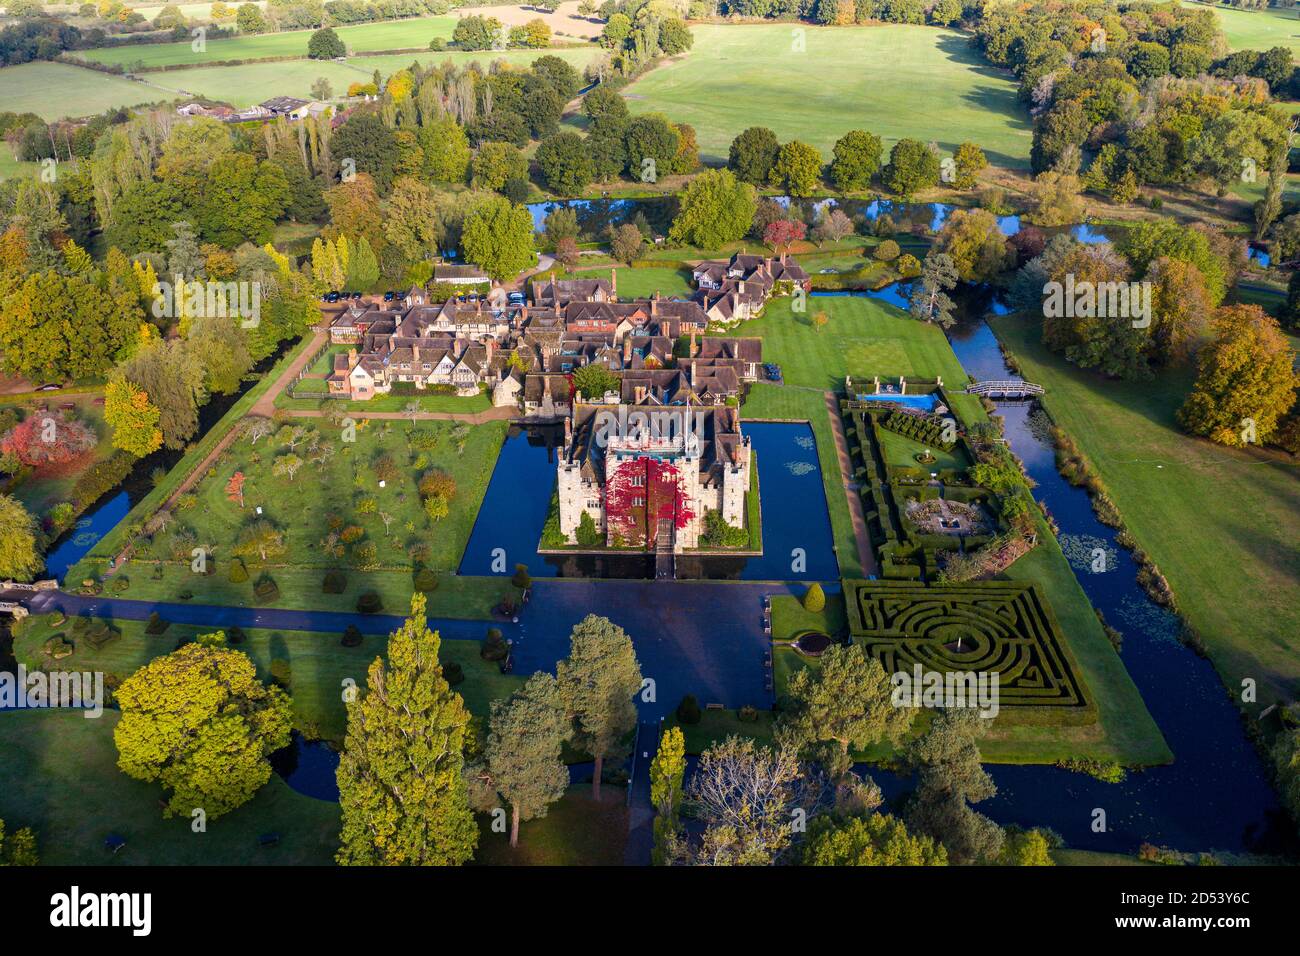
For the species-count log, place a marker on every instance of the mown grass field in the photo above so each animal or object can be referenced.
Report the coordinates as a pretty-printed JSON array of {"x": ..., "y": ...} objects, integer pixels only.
[
  {"x": 1222, "y": 524},
  {"x": 894, "y": 80},
  {"x": 391, "y": 35},
  {"x": 318, "y": 663},
  {"x": 53, "y": 90},
  {"x": 1256, "y": 29},
  {"x": 643, "y": 283}
]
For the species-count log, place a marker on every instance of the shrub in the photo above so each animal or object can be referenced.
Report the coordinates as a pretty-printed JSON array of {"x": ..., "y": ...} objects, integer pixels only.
[
  {"x": 521, "y": 580},
  {"x": 57, "y": 648},
  {"x": 426, "y": 580},
  {"x": 335, "y": 582},
  {"x": 887, "y": 251},
  {"x": 352, "y": 636},
  {"x": 453, "y": 673},
  {"x": 494, "y": 647},
  {"x": 814, "y": 600},
  {"x": 156, "y": 624},
  {"x": 238, "y": 572},
  {"x": 266, "y": 589},
  {"x": 747, "y": 714},
  {"x": 369, "y": 603},
  {"x": 688, "y": 711},
  {"x": 235, "y": 634},
  {"x": 120, "y": 584}
]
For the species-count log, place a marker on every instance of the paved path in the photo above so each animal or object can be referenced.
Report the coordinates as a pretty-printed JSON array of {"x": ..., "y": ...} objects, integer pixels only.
[
  {"x": 866, "y": 554},
  {"x": 265, "y": 406}
]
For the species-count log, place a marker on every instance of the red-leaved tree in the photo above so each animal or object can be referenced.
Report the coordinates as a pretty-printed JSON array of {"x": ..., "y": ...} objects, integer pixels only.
[
  {"x": 235, "y": 488},
  {"x": 782, "y": 233},
  {"x": 46, "y": 439}
]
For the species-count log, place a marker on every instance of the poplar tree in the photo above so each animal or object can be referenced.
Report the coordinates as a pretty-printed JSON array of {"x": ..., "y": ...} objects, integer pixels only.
[{"x": 401, "y": 783}]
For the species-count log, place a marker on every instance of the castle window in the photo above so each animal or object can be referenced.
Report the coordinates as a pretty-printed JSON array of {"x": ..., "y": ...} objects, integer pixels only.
[{"x": 638, "y": 502}]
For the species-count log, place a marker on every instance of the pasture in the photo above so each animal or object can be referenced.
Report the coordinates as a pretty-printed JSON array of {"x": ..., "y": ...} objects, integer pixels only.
[{"x": 817, "y": 83}]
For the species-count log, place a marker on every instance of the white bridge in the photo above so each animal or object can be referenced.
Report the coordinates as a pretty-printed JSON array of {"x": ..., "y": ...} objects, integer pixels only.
[{"x": 1005, "y": 389}]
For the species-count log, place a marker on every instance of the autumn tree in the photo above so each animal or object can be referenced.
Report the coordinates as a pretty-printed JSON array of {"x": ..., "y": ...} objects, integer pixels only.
[
  {"x": 19, "y": 847},
  {"x": 47, "y": 439},
  {"x": 260, "y": 538},
  {"x": 1246, "y": 380},
  {"x": 977, "y": 245},
  {"x": 779, "y": 236},
  {"x": 599, "y": 679},
  {"x": 401, "y": 783},
  {"x": 626, "y": 242},
  {"x": 969, "y": 160},
  {"x": 1095, "y": 330},
  {"x": 1181, "y": 310},
  {"x": 523, "y": 755},
  {"x": 200, "y": 722},
  {"x": 172, "y": 375},
  {"x": 235, "y": 488},
  {"x": 832, "y": 226}
]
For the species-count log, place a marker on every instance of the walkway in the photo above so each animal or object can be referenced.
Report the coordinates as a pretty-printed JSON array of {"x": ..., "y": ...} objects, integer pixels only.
[
  {"x": 265, "y": 406},
  {"x": 866, "y": 553},
  {"x": 494, "y": 414}
]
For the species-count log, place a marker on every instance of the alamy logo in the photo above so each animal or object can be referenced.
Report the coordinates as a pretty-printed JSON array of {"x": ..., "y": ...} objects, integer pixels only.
[
  {"x": 1099, "y": 300},
  {"x": 198, "y": 299},
  {"x": 70, "y": 689},
  {"x": 666, "y": 427},
  {"x": 949, "y": 690},
  {"x": 76, "y": 909}
]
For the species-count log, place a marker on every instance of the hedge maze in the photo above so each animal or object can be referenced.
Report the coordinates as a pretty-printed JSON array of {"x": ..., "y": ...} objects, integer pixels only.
[{"x": 990, "y": 626}]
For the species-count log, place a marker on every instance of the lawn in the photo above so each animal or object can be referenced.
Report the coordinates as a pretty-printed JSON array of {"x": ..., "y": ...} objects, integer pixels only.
[
  {"x": 58, "y": 774},
  {"x": 391, "y": 35},
  {"x": 1222, "y": 524},
  {"x": 387, "y": 403},
  {"x": 900, "y": 452},
  {"x": 11, "y": 168},
  {"x": 1256, "y": 29},
  {"x": 576, "y": 831},
  {"x": 894, "y": 80},
  {"x": 319, "y": 664},
  {"x": 53, "y": 90},
  {"x": 644, "y": 283}
]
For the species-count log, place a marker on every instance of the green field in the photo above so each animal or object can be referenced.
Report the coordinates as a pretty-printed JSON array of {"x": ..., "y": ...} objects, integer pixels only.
[
  {"x": 896, "y": 81},
  {"x": 10, "y": 167},
  {"x": 318, "y": 663},
  {"x": 363, "y": 38},
  {"x": 1221, "y": 524},
  {"x": 643, "y": 283},
  {"x": 53, "y": 90},
  {"x": 1256, "y": 29}
]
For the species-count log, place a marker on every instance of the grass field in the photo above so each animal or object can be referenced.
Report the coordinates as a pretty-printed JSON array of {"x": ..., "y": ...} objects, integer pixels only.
[
  {"x": 11, "y": 168},
  {"x": 53, "y": 90},
  {"x": 896, "y": 81},
  {"x": 392, "y": 35},
  {"x": 1256, "y": 29},
  {"x": 643, "y": 283},
  {"x": 1221, "y": 524},
  {"x": 576, "y": 831},
  {"x": 318, "y": 662},
  {"x": 58, "y": 774}
]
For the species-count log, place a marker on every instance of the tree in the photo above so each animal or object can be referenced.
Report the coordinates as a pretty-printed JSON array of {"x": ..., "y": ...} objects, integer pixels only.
[
  {"x": 446, "y": 150},
  {"x": 626, "y": 242},
  {"x": 496, "y": 163},
  {"x": 498, "y": 236},
  {"x": 260, "y": 538},
  {"x": 877, "y": 840},
  {"x": 199, "y": 721},
  {"x": 667, "y": 773},
  {"x": 743, "y": 793},
  {"x": 566, "y": 164},
  {"x": 1056, "y": 199},
  {"x": 1180, "y": 310},
  {"x": 912, "y": 166},
  {"x": 599, "y": 679},
  {"x": 567, "y": 252},
  {"x": 1150, "y": 240},
  {"x": 1097, "y": 332},
  {"x": 401, "y": 784},
  {"x": 652, "y": 144},
  {"x": 782, "y": 234},
  {"x": 848, "y": 703},
  {"x": 133, "y": 418},
  {"x": 593, "y": 380},
  {"x": 969, "y": 160},
  {"x": 714, "y": 209},
  {"x": 832, "y": 226},
  {"x": 20, "y": 541},
  {"x": 476, "y": 33},
  {"x": 172, "y": 375},
  {"x": 814, "y": 599},
  {"x": 322, "y": 88},
  {"x": 974, "y": 240},
  {"x": 856, "y": 160},
  {"x": 1026, "y": 848},
  {"x": 1245, "y": 382},
  {"x": 18, "y": 848},
  {"x": 249, "y": 19},
  {"x": 753, "y": 154},
  {"x": 950, "y": 778},
  {"x": 325, "y": 45},
  {"x": 523, "y": 756},
  {"x": 930, "y": 301},
  {"x": 413, "y": 226},
  {"x": 44, "y": 439},
  {"x": 798, "y": 168}
]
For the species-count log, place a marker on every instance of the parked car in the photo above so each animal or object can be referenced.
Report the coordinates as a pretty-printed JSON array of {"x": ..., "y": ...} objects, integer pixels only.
[
  {"x": 356, "y": 295},
  {"x": 52, "y": 387},
  {"x": 390, "y": 295},
  {"x": 331, "y": 297}
]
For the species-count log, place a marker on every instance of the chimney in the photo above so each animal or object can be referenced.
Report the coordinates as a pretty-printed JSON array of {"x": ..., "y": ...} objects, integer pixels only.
[
  {"x": 740, "y": 287},
  {"x": 491, "y": 344},
  {"x": 695, "y": 350},
  {"x": 693, "y": 364},
  {"x": 639, "y": 394},
  {"x": 415, "y": 354},
  {"x": 613, "y": 283},
  {"x": 627, "y": 350},
  {"x": 352, "y": 357},
  {"x": 654, "y": 305}
]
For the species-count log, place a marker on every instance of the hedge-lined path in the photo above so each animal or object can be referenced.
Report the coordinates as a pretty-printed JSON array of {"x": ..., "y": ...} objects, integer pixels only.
[{"x": 866, "y": 554}]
